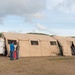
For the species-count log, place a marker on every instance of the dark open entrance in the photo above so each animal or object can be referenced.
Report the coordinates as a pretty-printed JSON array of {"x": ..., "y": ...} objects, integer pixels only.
[
  {"x": 60, "y": 48},
  {"x": 6, "y": 52},
  {"x": 73, "y": 48}
]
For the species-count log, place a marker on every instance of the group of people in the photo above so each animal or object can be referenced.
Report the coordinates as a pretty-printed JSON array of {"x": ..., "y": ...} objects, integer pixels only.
[{"x": 12, "y": 49}]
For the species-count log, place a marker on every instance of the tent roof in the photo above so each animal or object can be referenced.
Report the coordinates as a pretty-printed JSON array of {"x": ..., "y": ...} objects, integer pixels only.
[
  {"x": 10, "y": 35},
  {"x": 62, "y": 40},
  {"x": 40, "y": 37},
  {"x": 20, "y": 36},
  {"x": 71, "y": 39}
]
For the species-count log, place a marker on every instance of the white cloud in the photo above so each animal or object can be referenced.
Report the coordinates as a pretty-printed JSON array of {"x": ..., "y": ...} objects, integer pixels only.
[
  {"x": 53, "y": 3},
  {"x": 66, "y": 6},
  {"x": 64, "y": 32},
  {"x": 41, "y": 27},
  {"x": 1, "y": 21},
  {"x": 39, "y": 16},
  {"x": 33, "y": 7},
  {"x": 35, "y": 31},
  {"x": 21, "y": 7}
]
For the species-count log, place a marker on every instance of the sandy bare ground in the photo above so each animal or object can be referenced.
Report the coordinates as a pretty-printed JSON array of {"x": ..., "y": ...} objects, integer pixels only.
[{"x": 38, "y": 66}]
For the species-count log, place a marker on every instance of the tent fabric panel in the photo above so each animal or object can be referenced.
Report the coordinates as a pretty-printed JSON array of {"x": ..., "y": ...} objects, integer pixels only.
[
  {"x": 35, "y": 50},
  {"x": 45, "y": 48},
  {"x": 24, "y": 49}
]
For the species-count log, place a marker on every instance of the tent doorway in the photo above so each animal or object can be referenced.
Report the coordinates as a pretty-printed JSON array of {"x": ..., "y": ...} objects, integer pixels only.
[
  {"x": 73, "y": 48},
  {"x": 60, "y": 49}
]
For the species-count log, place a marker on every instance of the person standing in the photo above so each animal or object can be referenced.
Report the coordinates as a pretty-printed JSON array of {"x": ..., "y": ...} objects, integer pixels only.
[
  {"x": 12, "y": 51},
  {"x": 17, "y": 51}
]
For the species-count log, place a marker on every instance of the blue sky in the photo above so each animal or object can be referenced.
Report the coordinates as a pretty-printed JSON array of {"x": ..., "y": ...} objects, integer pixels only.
[{"x": 54, "y": 17}]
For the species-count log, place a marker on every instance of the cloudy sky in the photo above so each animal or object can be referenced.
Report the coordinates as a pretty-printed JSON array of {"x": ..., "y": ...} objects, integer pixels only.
[{"x": 56, "y": 17}]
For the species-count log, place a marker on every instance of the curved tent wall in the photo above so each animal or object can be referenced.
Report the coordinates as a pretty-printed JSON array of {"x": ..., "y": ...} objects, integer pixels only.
[{"x": 33, "y": 44}]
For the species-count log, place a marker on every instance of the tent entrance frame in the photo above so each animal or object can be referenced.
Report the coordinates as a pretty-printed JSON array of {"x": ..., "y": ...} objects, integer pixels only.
[
  {"x": 73, "y": 49},
  {"x": 60, "y": 49}
]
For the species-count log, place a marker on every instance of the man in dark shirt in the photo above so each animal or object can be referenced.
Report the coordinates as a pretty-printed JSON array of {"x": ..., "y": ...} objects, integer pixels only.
[
  {"x": 17, "y": 51},
  {"x": 12, "y": 51}
]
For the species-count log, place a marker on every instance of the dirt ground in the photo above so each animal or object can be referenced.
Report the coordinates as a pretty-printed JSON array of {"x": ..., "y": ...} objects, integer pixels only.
[{"x": 38, "y": 66}]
